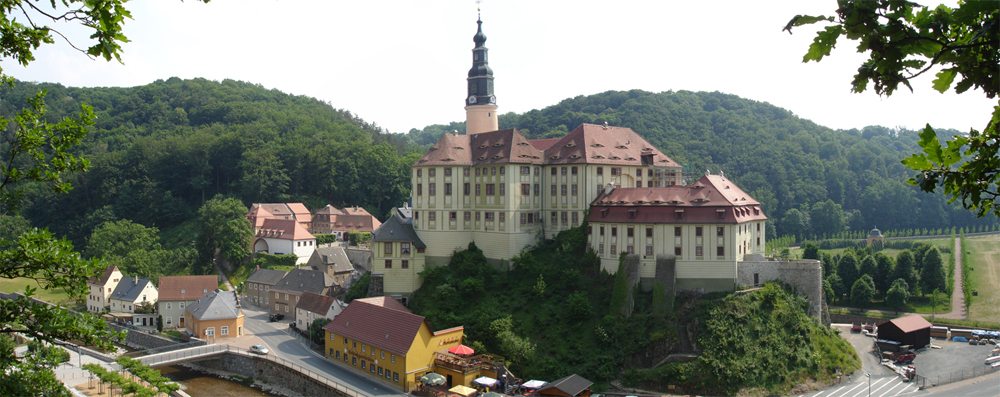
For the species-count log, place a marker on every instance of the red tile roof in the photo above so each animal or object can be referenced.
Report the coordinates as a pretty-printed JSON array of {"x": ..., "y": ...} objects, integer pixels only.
[
  {"x": 595, "y": 144},
  {"x": 386, "y": 302},
  {"x": 285, "y": 229},
  {"x": 104, "y": 277},
  {"x": 376, "y": 325},
  {"x": 194, "y": 287},
  {"x": 542, "y": 144},
  {"x": 494, "y": 147},
  {"x": 911, "y": 323},
  {"x": 701, "y": 202}
]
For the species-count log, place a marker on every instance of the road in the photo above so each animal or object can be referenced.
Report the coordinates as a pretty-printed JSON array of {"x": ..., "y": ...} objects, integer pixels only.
[{"x": 277, "y": 339}]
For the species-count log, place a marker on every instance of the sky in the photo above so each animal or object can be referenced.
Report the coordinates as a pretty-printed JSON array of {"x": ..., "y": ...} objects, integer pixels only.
[{"x": 403, "y": 64}]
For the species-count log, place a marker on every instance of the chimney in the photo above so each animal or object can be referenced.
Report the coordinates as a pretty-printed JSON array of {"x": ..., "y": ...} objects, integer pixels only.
[{"x": 605, "y": 125}]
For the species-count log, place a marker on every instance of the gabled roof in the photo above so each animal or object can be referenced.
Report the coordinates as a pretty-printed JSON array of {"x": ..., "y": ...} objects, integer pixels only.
[
  {"x": 331, "y": 255},
  {"x": 215, "y": 305},
  {"x": 266, "y": 276},
  {"x": 129, "y": 289},
  {"x": 494, "y": 147},
  {"x": 186, "y": 288},
  {"x": 542, "y": 144},
  {"x": 571, "y": 385},
  {"x": 260, "y": 211},
  {"x": 298, "y": 281},
  {"x": 285, "y": 229},
  {"x": 910, "y": 323},
  {"x": 398, "y": 228},
  {"x": 315, "y": 303},
  {"x": 375, "y": 325},
  {"x": 701, "y": 202},
  {"x": 108, "y": 271},
  {"x": 595, "y": 144}
]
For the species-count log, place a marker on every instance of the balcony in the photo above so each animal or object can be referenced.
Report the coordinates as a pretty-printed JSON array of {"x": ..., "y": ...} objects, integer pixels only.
[{"x": 468, "y": 365}]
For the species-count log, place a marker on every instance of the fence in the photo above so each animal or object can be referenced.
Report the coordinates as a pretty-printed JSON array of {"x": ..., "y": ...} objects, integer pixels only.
[
  {"x": 227, "y": 349},
  {"x": 925, "y": 382}
]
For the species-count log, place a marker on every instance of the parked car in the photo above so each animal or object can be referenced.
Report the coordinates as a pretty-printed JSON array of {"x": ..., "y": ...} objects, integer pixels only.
[
  {"x": 258, "y": 349},
  {"x": 905, "y": 357},
  {"x": 277, "y": 317}
]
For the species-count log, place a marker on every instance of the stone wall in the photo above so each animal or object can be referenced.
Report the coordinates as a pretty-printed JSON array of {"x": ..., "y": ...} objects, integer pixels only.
[
  {"x": 805, "y": 275},
  {"x": 666, "y": 272},
  {"x": 281, "y": 377},
  {"x": 361, "y": 259}
]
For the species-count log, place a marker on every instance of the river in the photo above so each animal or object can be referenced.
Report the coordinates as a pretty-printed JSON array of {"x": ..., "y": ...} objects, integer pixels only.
[{"x": 198, "y": 384}]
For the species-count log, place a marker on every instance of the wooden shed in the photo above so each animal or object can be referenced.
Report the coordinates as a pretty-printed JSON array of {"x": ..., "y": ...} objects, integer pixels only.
[
  {"x": 910, "y": 330},
  {"x": 570, "y": 386}
]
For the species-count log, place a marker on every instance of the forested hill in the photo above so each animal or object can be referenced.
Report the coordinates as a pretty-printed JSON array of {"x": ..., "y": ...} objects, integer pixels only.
[
  {"x": 158, "y": 151},
  {"x": 791, "y": 165}
]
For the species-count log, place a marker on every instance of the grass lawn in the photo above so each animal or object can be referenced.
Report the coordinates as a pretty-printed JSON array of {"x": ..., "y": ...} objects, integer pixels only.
[
  {"x": 56, "y": 296},
  {"x": 984, "y": 254},
  {"x": 915, "y": 304},
  {"x": 939, "y": 242}
]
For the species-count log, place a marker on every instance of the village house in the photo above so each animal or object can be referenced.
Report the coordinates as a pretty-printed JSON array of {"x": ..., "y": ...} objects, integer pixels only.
[
  {"x": 284, "y": 237},
  {"x": 398, "y": 255},
  {"x": 100, "y": 289},
  {"x": 259, "y": 284},
  {"x": 285, "y": 295},
  {"x": 381, "y": 339},
  {"x": 130, "y": 293},
  {"x": 177, "y": 292},
  {"x": 218, "y": 314},
  {"x": 332, "y": 260},
  {"x": 339, "y": 221},
  {"x": 311, "y": 307},
  {"x": 294, "y": 211}
]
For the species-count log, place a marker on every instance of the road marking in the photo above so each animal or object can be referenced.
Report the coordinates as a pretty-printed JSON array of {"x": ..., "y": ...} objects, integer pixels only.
[
  {"x": 852, "y": 389},
  {"x": 817, "y": 394}
]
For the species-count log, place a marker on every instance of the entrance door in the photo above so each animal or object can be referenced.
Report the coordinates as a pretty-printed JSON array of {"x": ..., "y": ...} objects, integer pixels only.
[
  {"x": 143, "y": 321},
  {"x": 449, "y": 381},
  {"x": 182, "y": 322}
]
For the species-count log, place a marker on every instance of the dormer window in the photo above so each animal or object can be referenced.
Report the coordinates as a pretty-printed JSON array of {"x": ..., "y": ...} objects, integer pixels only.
[
  {"x": 555, "y": 157},
  {"x": 571, "y": 144},
  {"x": 597, "y": 145},
  {"x": 597, "y": 156},
  {"x": 483, "y": 146},
  {"x": 615, "y": 158},
  {"x": 497, "y": 157},
  {"x": 522, "y": 144},
  {"x": 498, "y": 144},
  {"x": 679, "y": 214},
  {"x": 621, "y": 147},
  {"x": 574, "y": 156},
  {"x": 632, "y": 212}
]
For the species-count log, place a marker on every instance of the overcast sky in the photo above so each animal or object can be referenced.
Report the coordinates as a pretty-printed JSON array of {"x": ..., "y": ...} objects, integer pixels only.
[{"x": 403, "y": 64}]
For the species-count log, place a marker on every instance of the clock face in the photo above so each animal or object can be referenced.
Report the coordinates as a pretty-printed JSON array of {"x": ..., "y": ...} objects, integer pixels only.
[
  {"x": 472, "y": 99},
  {"x": 493, "y": 99}
]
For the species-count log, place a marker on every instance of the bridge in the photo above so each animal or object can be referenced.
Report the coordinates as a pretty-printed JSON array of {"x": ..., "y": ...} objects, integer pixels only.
[{"x": 201, "y": 353}]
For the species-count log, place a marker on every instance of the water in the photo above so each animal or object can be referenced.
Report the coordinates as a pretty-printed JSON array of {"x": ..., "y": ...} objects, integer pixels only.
[{"x": 198, "y": 384}]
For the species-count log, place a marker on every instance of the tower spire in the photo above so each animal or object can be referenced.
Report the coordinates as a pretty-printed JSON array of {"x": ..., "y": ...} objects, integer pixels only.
[{"x": 480, "y": 102}]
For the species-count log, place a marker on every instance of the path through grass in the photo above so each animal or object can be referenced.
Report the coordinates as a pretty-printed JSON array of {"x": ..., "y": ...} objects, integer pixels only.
[{"x": 984, "y": 253}]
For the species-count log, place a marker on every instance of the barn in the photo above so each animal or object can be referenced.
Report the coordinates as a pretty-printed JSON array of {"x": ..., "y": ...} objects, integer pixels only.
[{"x": 909, "y": 330}]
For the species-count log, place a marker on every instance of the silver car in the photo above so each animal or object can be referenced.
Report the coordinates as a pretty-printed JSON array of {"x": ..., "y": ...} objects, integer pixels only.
[{"x": 258, "y": 349}]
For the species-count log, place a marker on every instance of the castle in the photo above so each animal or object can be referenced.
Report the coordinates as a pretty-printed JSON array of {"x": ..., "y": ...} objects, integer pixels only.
[{"x": 503, "y": 191}]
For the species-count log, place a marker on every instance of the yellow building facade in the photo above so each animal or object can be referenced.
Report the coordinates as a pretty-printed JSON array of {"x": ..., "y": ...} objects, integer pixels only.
[{"x": 381, "y": 339}]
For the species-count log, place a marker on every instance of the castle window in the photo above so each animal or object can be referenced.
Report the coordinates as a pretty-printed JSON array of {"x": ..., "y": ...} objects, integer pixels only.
[
  {"x": 538, "y": 171},
  {"x": 493, "y": 170},
  {"x": 600, "y": 249},
  {"x": 538, "y": 189},
  {"x": 420, "y": 173},
  {"x": 405, "y": 264},
  {"x": 630, "y": 249},
  {"x": 602, "y": 230},
  {"x": 638, "y": 172},
  {"x": 388, "y": 263},
  {"x": 477, "y": 215},
  {"x": 574, "y": 171},
  {"x": 524, "y": 218},
  {"x": 453, "y": 216},
  {"x": 614, "y": 249},
  {"x": 525, "y": 170},
  {"x": 502, "y": 170},
  {"x": 616, "y": 171},
  {"x": 502, "y": 188},
  {"x": 525, "y": 189},
  {"x": 650, "y": 173},
  {"x": 489, "y": 216},
  {"x": 465, "y": 171},
  {"x": 631, "y": 214},
  {"x": 563, "y": 190},
  {"x": 405, "y": 247},
  {"x": 720, "y": 251},
  {"x": 614, "y": 231},
  {"x": 490, "y": 189},
  {"x": 420, "y": 189},
  {"x": 720, "y": 231},
  {"x": 630, "y": 231},
  {"x": 553, "y": 190},
  {"x": 697, "y": 231},
  {"x": 720, "y": 214},
  {"x": 447, "y": 189},
  {"x": 563, "y": 171},
  {"x": 698, "y": 251},
  {"x": 600, "y": 170},
  {"x": 431, "y": 188},
  {"x": 432, "y": 172},
  {"x": 679, "y": 214},
  {"x": 649, "y": 250},
  {"x": 388, "y": 248},
  {"x": 576, "y": 218},
  {"x": 447, "y": 172},
  {"x": 677, "y": 251},
  {"x": 649, "y": 232},
  {"x": 466, "y": 189},
  {"x": 432, "y": 215},
  {"x": 574, "y": 190},
  {"x": 502, "y": 216},
  {"x": 477, "y": 171},
  {"x": 468, "y": 216}
]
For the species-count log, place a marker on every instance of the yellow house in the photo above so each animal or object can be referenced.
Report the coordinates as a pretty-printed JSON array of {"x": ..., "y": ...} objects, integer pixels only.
[
  {"x": 398, "y": 255},
  {"x": 216, "y": 315},
  {"x": 381, "y": 339}
]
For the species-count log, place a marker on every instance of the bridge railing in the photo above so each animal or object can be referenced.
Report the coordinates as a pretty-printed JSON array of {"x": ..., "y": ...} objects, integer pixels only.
[{"x": 181, "y": 355}]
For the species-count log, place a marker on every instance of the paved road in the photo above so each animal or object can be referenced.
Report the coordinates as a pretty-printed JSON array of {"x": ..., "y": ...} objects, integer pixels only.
[
  {"x": 275, "y": 336},
  {"x": 984, "y": 386},
  {"x": 885, "y": 386}
]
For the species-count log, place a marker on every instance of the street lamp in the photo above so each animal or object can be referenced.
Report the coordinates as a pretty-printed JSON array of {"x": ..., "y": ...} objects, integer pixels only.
[{"x": 869, "y": 376}]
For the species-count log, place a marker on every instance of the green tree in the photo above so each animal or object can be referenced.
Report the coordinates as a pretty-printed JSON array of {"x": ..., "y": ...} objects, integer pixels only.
[
  {"x": 316, "y": 332},
  {"x": 119, "y": 238},
  {"x": 837, "y": 284},
  {"x": 868, "y": 267},
  {"x": 795, "y": 223},
  {"x": 811, "y": 251},
  {"x": 897, "y": 295},
  {"x": 862, "y": 292},
  {"x": 827, "y": 218},
  {"x": 222, "y": 229},
  {"x": 932, "y": 273},
  {"x": 885, "y": 269},
  {"x": 359, "y": 289},
  {"x": 905, "y": 270},
  {"x": 905, "y": 40},
  {"x": 39, "y": 153},
  {"x": 847, "y": 268},
  {"x": 578, "y": 306}
]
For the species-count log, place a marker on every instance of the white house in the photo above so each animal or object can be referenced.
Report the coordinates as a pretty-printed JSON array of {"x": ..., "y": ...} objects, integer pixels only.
[
  {"x": 283, "y": 237},
  {"x": 100, "y": 289},
  {"x": 132, "y": 291}
]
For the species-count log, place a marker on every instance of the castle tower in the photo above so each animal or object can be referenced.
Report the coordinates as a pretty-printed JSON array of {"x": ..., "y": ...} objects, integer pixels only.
[{"x": 480, "y": 103}]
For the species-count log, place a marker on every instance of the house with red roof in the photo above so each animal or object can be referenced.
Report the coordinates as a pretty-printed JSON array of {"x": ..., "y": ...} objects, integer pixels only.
[
  {"x": 339, "y": 221},
  {"x": 296, "y": 211},
  {"x": 381, "y": 339},
  {"x": 283, "y": 237},
  {"x": 177, "y": 292}
]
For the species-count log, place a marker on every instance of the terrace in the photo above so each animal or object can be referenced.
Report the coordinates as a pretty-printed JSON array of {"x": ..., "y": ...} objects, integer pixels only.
[{"x": 467, "y": 365}]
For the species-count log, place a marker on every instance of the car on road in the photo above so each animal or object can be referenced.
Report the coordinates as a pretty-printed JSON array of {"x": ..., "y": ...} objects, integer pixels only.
[
  {"x": 258, "y": 349},
  {"x": 277, "y": 317}
]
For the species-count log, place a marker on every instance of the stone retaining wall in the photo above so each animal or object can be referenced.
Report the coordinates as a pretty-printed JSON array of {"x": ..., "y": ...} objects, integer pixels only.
[
  {"x": 360, "y": 259},
  {"x": 805, "y": 275},
  {"x": 137, "y": 339}
]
